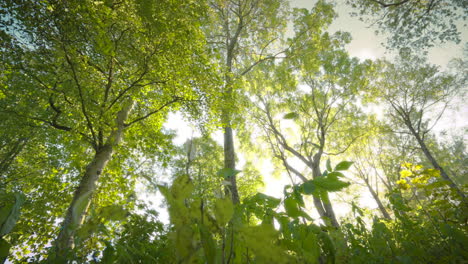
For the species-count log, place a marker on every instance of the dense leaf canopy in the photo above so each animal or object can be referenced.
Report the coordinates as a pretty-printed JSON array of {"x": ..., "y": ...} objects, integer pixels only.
[{"x": 90, "y": 173}]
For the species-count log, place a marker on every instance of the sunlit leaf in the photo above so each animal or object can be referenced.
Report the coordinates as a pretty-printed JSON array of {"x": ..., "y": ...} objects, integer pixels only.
[
  {"x": 344, "y": 165},
  {"x": 292, "y": 115}
]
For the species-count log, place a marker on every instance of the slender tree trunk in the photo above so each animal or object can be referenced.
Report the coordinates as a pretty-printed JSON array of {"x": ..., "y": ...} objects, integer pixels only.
[
  {"x": 433, "y": 161},
  {"x": 229, "y": 151},
  {"x": 230, "y": 162},
  {"x": 330, "y": 213},
  {"x": 377, "y": 199},
  {"x": 82, "y": 197},
  {"x": 319, "y": 207}
]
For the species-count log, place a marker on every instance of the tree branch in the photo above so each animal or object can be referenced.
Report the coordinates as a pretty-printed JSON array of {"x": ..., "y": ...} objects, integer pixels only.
[
  {"x": 346, "y": 148},
  {"x": 282, "y": 141},
  {"x": 82, "y": 102},
  {"x": 176, "y": 99},
  {"x": 58, "y": 112},
  {"x": 384, "y": 5}
]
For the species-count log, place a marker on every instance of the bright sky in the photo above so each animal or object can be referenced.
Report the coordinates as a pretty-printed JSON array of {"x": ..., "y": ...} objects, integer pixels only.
[{"x": 365, "y": 45}]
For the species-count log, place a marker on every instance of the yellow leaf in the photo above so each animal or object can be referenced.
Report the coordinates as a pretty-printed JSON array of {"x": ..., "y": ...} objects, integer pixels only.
[{"x": 405, "y": 173}]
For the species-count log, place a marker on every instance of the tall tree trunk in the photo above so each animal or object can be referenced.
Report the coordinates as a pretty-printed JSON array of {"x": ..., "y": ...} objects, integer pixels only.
[
  {"x": 229, "y": 151},
  {"x": 433, "y": 161},
  {"x": 82, "y": 197},
  {"x": 81, "y": 200},
  {"x": 377, "y": 200},
  {"x": 230, "y": 162}
]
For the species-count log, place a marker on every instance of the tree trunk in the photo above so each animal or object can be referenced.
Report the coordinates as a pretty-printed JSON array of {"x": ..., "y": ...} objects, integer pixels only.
[
  {"x": 330, "y": 213},
  {"x": 377, "y": 199},
  {"x": 82, "y": 197},
  {"x": 230, "y": 162},
  {"x": 229, "y": 151},
  {"x": 81, "y": 200},
  {"x": 433, "y": 161},
  {"x": 319, "y": 207}
]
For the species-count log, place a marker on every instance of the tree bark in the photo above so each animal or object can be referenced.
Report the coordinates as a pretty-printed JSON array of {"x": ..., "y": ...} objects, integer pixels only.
[
  {"x": 82, "y": 197},
  {"x": 330, "y": 213},
  {"x": 230, "y": 162},
  {"x": 377, "y": 200},
  {"x": 229, "y": 151},
  {"x": 319, "y": 207}
]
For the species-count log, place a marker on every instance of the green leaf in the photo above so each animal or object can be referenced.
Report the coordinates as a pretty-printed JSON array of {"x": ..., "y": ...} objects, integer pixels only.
[
  {"x": 224, "y": 210},
  {"x": 5, "y": 213},
  {"x": 228, "y": 173},
  {"x": 323, "y": 194},
  {"x": 292, "y": 115},
  {"x": 328, "y": 247},
  {"x": 454, "y": 233},
  {"x": 335, "y": 175},
  {"x": 305, "y": 215},
  {"x": 329, "y": 167},
  {"x": 308, "y": 187},
  {"x": 268, "y": 201},
  {"x": 292, "y": 207},
  {"x": 344, "y": 165},
  {"x": 4, "y": 248},
  {"x": 311, "y": 247},
  {"x": 330, "y": 184}
]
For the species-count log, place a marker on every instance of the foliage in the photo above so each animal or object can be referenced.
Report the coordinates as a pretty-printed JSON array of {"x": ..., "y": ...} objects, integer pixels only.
[
  {"x": 429, "y": 225},
  {"x": 200, "y": 227},
  {"x": 417, "y": 23},
  {"x": 9, "y": 214},
  {"x": 86, "y": 88}
]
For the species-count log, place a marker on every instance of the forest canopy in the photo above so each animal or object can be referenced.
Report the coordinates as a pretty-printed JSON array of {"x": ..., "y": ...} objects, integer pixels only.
[{"x": 264, "y": 92}]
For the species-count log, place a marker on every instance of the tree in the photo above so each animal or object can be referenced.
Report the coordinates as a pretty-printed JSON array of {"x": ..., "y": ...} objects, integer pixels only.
[
  {"x": 94, "y": 71},
  {"x": 242, "y": 34},
  {"x": 417, "y": 95},
  {"x": 199, "y": 158},
  {"x": 85, "y": 91},
  {"x": 324, "y": 103},
  {"x": 414, "y": 23},
  {"x": 366, "y": 162},
  {"x": 453, "y": 154}
]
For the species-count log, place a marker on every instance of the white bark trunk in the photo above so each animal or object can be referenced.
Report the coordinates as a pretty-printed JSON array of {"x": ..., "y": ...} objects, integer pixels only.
[{"x": 82, "y": 197}]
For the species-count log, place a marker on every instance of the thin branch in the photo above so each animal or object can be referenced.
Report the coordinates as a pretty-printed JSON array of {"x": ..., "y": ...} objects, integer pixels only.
[
  {"x": 271, "y": 57},
  {"x": 384, "y": 5},
  {"x": 293, "y": 170},
  {"x": 58, "y": 112},
  {"x": 346, "y": 148},
  {"x": 80, "y": 92},
  {"x": 124, "y": 91},
  {"x": 282, "y": 141},
  {"x": 176, "y": 99}
]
